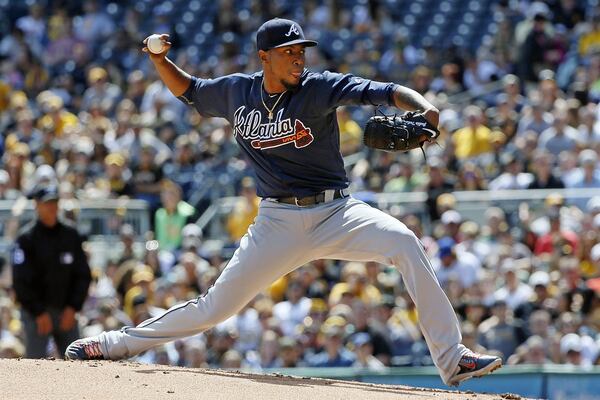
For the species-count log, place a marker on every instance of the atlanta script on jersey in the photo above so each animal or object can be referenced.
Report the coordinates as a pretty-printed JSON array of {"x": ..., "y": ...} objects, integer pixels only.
[{"x": 271, "y": 134}]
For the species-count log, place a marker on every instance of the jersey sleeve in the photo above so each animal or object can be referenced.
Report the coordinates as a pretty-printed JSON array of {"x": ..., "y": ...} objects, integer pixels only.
[
  {"x": 346, "y": 89},
  {"x": 209, "y": 96}
]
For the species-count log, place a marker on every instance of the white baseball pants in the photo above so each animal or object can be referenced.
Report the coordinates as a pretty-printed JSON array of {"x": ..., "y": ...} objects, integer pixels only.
[{"x": 285, "y": 237}]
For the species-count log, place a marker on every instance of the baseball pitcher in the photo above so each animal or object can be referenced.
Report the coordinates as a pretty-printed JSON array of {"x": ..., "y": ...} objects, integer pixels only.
[{"x": 284, "y": 120}]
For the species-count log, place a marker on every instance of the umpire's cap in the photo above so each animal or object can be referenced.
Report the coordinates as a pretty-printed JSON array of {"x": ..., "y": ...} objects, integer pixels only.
[
  {"x": 44, "y": 192},
  {"x": 279, "y": 32}
]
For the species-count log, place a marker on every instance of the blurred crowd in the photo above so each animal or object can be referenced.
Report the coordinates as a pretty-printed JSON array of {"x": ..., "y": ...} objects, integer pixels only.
[{"x": 80, "y": 105}]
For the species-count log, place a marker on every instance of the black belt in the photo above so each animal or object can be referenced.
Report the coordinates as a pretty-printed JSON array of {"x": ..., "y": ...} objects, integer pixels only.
[{"x": 322, "y": 197}]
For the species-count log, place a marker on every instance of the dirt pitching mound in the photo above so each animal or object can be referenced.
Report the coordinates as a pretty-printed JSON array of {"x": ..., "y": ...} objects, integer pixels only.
[{"x": 57, "y": 379}]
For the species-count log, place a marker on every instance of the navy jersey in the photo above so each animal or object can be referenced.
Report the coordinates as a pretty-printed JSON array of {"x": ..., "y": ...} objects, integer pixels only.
[{"x": 297, "y": 152}]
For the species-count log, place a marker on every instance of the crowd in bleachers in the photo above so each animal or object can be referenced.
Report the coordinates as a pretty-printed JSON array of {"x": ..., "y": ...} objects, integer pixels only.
[{"x": 81, "y": 105}]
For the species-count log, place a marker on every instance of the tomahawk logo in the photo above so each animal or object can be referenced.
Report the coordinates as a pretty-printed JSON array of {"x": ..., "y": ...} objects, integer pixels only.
[
  {"x": 272, "y": 134},
  {"x": 294, "y": 30}
]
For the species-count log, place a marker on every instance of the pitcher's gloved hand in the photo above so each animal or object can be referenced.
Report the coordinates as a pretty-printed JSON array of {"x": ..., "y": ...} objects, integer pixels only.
[{"x": 399, "y": 133}]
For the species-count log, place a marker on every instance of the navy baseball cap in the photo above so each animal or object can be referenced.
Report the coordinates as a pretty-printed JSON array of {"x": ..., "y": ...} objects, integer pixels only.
[
  {"x": 279, "y": 32},
  {"x": 44, "y": 192}
]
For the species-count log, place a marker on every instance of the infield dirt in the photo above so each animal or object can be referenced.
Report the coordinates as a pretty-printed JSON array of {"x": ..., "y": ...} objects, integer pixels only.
[{"x": 105, "y": 380}]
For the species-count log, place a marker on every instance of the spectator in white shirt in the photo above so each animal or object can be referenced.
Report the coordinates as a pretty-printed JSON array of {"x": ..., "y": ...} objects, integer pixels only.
[
  {"x": 100, "y": 93},
  {"x": 534, "y": 119},
  {"x": 514, "y": 292},
  {"x": 587, "y": 175},
  {"x": 34, "y": 27},
  {"x": 560, "y": 136},
  {"x": 94, "y": 25},
  {"x": 363, "y": 348},
  {"x": 589, "y": 128},
  {"x": 451, "y": 221},
  {"x": 293, "y": 311},
  {"x": 469, "y": 231},
  {"x": 514, "y": 177},
  {"x": 247, "y": 324},
  {"x": 449, "y": 265}
]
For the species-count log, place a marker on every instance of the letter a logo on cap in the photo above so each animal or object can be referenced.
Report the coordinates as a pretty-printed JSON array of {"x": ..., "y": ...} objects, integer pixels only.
[{"x": 294, "y": 30}]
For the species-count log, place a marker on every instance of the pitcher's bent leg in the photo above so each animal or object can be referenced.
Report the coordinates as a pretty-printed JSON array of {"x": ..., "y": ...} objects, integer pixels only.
[
  {"x": 376, "y": 236},
  {"x": 271, "y": 248},
  {"x": 437, "y": 318}
]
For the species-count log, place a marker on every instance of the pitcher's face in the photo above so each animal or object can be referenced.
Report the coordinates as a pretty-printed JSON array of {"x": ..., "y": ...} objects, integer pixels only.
[{"x": 284, "y": 64}]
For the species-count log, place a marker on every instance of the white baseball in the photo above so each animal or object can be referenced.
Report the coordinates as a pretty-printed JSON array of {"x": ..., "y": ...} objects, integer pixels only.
[{"x": 155, "y": 44}]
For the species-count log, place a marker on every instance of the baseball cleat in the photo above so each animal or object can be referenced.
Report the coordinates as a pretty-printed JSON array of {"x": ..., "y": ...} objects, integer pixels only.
[
  {"x": 474, "y": 365},
  {"x": 84, "y": 349}
]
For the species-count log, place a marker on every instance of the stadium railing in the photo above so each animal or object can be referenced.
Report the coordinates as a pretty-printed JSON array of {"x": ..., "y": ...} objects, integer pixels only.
[
  {"x": 470, "y": 204},
  {"x": 98, "y": 220}
]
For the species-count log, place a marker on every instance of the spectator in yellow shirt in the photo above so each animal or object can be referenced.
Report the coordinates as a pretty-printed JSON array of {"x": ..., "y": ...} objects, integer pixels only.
[
  {"x": 350, "y": 132},
  {"x": 474, "y": 139},
  {"x": 244, "y": 211},
  {"x": 590, "y": 41},
  {"x": 56, "y": 115},
  {"x": 355, "y": 282},
  {"x": 5, "y": 91}
]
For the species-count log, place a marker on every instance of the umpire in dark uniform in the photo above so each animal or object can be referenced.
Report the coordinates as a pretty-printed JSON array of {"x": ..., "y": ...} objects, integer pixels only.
[{"x": 51, "y": 276}]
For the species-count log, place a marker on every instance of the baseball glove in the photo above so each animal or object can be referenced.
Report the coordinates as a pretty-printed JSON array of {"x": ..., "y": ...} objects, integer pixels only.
[{"x": 399, "y": 133}]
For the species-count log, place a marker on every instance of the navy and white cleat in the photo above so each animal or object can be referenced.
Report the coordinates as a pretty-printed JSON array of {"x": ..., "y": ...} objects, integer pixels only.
[
  {"x": 85, "y": 349},
  {"x": 474, "y": 365}
]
